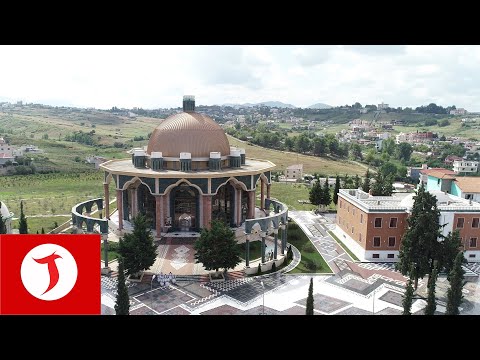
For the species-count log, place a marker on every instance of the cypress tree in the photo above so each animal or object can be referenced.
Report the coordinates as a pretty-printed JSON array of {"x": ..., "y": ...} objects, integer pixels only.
[
  {"x": 43, "y": 230},
  {"x": 431, "y": 303},
  {"x": 327, "y": 199},
  {"x": 309, "y": 310},
  {"x": 122, "y": 303},
  {"x": 366, "y": 182},
  {"x": 454, "y": 293},
  {"x": 420, "y": 244},
  {"x": 335, "y": 191},
  {"x": 22, "y": 223},
  {"x": 356, "y": 181},
  {"x": 408, "y": 298}
]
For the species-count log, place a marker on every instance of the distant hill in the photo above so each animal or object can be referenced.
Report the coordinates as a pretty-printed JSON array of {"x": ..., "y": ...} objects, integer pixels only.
[
  {"x": 320, "y": 106},
  {"x": 277, "y": 104}
]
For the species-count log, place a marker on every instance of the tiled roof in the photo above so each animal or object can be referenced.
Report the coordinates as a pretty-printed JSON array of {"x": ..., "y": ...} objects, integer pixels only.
[{"x": 470, "y": 184}]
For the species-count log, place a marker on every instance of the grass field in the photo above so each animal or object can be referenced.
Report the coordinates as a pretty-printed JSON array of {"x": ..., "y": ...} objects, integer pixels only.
[
  {"x": 51, "y": 194},
  {"x": 352, "y": 255},
  {"x": 297, "y": 238},
  {"x": 311, "y": 164},
  {"x": 47, "y": 222},
  {"x": 454, "y": 129}
]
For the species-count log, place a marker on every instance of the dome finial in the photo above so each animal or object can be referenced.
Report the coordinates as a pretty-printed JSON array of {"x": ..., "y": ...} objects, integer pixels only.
[{"x": 188, "y": 103}]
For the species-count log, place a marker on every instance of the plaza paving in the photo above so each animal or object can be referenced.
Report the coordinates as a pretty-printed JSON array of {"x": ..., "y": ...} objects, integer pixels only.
[{"x": 355, "y": 288}]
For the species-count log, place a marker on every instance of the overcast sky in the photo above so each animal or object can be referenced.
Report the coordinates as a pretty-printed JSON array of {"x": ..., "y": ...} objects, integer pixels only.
[{"x": 158, "y": 76}]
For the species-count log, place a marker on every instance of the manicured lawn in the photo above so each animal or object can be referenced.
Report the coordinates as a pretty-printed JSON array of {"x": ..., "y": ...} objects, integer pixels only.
[
  {"x": 352, "y": 255},
  {"x": 297, "y": 238},
  {"x": 289, "y": 194},
  {"x": 255, "y": 250},
  {"x": 112, "y": 251},
  {"x": 36, "y": 223}
]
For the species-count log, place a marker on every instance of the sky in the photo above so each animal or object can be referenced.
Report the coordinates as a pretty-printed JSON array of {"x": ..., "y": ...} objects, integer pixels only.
[{"x": 157, "y": 76}]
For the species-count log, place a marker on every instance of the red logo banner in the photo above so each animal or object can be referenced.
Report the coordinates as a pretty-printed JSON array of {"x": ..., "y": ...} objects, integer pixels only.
[{"x": 50, "y": 274}]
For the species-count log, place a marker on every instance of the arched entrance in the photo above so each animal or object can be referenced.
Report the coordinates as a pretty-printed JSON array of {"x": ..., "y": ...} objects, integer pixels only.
[
  {"x": 146, "y": 204},
  {"x": 185, "y": 208},
  {"x": 223, "y": 204}
]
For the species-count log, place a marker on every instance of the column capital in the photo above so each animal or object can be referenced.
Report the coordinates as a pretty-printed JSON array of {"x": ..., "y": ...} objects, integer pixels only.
[
  {"x": 263, "y": 234},
  {"x": 275, "y": 231}
]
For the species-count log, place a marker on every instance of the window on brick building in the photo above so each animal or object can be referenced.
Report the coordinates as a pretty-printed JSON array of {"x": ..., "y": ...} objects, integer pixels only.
[
  {"x": 391, "y": 256},
  {"x": 376, "y": 241},
  {"x": 460, "y": 222},
  {"x": 475, "y": 222},
  {"x": 375, "y": 256},
  {"x": 391, "y": 241},
  {"x": 361, "y": 218},
  {"x": 353, "y": 211},
  {"x": 473, "y": 242},
  {"x": 393, "y": 222},
  {"x": 472, "y": 256},
  {"x": 378, "y": 222},
  {"x": 360, "y": 237}
]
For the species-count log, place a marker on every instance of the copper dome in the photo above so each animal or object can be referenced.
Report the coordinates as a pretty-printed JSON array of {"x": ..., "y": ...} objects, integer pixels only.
[{"x": 189, "y": 132}]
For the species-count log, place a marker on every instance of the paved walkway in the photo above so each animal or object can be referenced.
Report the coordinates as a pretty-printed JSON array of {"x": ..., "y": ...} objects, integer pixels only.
[{"x": 355, "y": 289}]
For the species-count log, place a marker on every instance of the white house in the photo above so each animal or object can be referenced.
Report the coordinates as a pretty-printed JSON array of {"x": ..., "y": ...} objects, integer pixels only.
[
  {"x": 5, "y": 148},
  {"x": 465, "y": 166}
]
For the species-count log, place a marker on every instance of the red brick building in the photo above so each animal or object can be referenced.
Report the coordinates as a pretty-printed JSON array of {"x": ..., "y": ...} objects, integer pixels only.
[{"x": 373, "y": 226}]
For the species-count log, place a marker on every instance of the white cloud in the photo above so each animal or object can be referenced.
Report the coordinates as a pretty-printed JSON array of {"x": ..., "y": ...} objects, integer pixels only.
[{"x": 158, "y": 76}]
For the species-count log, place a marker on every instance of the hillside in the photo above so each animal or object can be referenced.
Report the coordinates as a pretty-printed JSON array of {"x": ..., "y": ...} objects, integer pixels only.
[
  {"x": 320, "y": 106},
  {"x": 311, "y": 164}
]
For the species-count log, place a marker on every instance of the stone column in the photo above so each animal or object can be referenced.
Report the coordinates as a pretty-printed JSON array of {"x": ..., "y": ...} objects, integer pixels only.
[
  {"x": 263, "y": 234},
  {"x": 107, "y": 201},
  {"x": 251, "y": 204},
  {"x": 268, "y": 190},
  {"x": 120, "y": 209},
  {"x": 262, "y": 194},
  {"x": 207, "y": 211},
  {"x": 239, "y": 207},
  {"x": 275, "y": 232},
  {"x": 247, "y": 250},
  {"x": 105, "y": 270},
  {"x": 284, "y": 237},
  {"x": 134, "y": 202},
  {"x": 159, "y": 218}
]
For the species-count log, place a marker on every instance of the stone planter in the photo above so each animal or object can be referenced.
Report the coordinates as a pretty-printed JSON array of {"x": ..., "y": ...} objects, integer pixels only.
[{"x": 217, "y": 277}]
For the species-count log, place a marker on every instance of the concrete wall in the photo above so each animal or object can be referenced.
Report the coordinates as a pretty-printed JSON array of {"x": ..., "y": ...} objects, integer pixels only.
[{"x": 432, "y": 183}]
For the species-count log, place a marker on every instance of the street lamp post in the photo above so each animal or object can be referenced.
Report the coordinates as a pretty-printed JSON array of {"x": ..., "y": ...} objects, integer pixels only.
[
  {"x": 263, "y": 298},
  {"x": 151, "y": 286}
]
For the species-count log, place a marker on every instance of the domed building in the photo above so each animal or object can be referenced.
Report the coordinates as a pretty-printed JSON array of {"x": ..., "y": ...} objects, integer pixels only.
[
  {"x": 6, "y": 216},
  {"x": 187, "y": 176}
]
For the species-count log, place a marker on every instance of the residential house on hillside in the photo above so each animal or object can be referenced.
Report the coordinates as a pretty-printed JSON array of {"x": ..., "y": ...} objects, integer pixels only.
[
  {"x": 450, "y": 159},
  {"x": 294, "y": 172},
  {"x": 465, "y": 166},
  {"x": 466, "y": 187}
]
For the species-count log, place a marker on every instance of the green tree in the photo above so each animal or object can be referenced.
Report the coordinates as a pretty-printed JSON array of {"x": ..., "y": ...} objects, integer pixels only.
[
  {"x": 420, "y": 244},
  {"x": 454, "y": 293},
  {"x": 408, "y": 296},
  {"x": 326, "y": 198},
  {"x": 309, "y": 310},
  {"x": 403, "y": 151},
  {"x": 356, "y": 181},
  {"x": 22, "y": 223},
  {"x": 449, "y": 248},
  {"x": 43, "y": 230},
  {"x": 383, "y": 185},
  {"x": 356, "y": 152},
  {"x": 319, "y": 146},
  {"x": 431, "y": 302},
  {"x": 316, "y": 194},
  {"x": 137, "y": 247},
  {"x": 216, "y": 248},
  {"x": 388, "y": 169},
  {"x": 302, "y": 143},
  {"x": 366, "y": 182},
  {"x": 122, "y": 302},
  {"x": 336, "y": 190}
]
